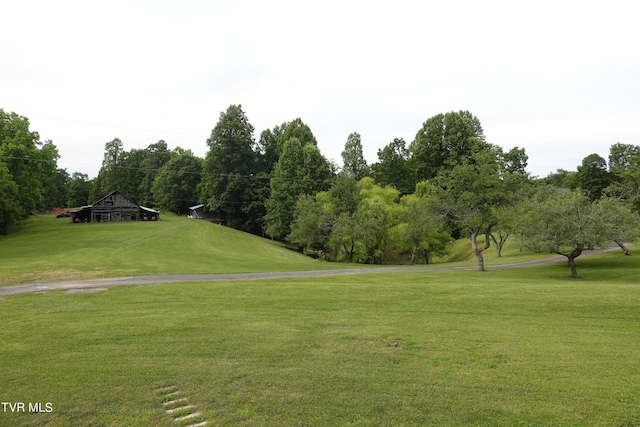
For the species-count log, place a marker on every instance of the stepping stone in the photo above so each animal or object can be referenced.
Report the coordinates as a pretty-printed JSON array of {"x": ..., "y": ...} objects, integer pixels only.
[
  {"x": 186, "y": 417},
  {"x": 171, "y": 402},
  {"x": 171, "y": 411}
]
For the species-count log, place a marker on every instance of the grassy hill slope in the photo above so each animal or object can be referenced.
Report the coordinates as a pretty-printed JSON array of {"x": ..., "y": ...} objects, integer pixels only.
[{"x": 48, "y": 248}]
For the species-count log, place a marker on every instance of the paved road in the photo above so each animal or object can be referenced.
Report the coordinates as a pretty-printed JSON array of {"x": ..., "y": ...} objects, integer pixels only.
[{"x": 173, "y": 278}]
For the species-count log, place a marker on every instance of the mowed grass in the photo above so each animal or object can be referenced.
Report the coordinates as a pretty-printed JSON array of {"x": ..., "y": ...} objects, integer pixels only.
[
  {"x": 444, "y": 348},
  {"x": 46, "y": 248}
]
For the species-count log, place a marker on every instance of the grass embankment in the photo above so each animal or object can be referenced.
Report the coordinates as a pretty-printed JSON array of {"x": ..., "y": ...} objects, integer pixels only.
[
  {"x": 46, "y": 248},
  {"x": 456, "y": 348}
]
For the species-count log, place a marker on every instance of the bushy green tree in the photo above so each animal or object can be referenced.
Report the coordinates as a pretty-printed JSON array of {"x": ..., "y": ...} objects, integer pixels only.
[
  {"x": 420, "y": 229},
  {"x": 353, "y": 160},
  {"x": 593, "y": 176},
  {"x": 228, "y": 166},
  {"x": 394, "y": 167},
  {"x": 567, "y": 223},
  {"x": 445, "y": 141},
  {"x": 156, "y": 157},
  {"x": 10, "y": 209},
  {"x": 624, "y": 167},
  {"x": 175, "y": 187},
  {"x": 27, "y": 162},
  {"x": 78, "y": 191},
  {"x": 301, "y": 169},
  {"x": 469, "y": 194}
]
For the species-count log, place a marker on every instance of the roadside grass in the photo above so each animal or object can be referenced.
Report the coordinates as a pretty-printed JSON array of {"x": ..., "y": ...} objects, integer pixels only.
[{"x": 524, "y": 347}]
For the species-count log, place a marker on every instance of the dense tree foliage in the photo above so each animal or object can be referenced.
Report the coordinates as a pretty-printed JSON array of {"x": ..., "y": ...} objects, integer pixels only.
[
  {"x": 593, "y": 176},
  {"x": 469, "y": 194},
  {"x": 624, "y": 166},
  {"x": 228, "y": 167},
  {"x": 444, "y": 141},
  {"x": 79, "y": 190},
  {"x": 301, "y": 169},
  {"x": 353, "y": 160},
  {"x": 10, "y": 209},
  {"x": 27, "y": 166},
  {"x": 394, "y": 167},
  {"x": 567, "y": 223},
  {"x": 408, "y": 206},
  {"x": 175, "y": 186}
]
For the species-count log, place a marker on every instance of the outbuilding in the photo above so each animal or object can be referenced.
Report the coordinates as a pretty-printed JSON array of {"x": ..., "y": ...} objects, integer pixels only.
[{"x": 113, "y": 207}]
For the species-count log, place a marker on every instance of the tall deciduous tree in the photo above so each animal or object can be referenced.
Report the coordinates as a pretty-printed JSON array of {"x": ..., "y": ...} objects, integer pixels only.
[
  {"x": 29, "y": 163},
  {"x": 78, "y": 191},
  {"x": 156, "y": 157},
  {"x": 301, "y": 169},
  {"x": 624, "y": 166},
  {"x": 175, "y": 187},
  {"x": 111, "y": 175},
  {"x": 593, "y": 176},
  {"x": 10, "y": 209},
  {"x": 394, "y": 167},
  {"x": 228, "y": 167},
  {"x": 353, "y": 160},
  {"x": 444, "y": 141}
]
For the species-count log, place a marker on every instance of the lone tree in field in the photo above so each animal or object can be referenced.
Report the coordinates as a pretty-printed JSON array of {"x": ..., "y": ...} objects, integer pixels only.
[
  {"x": 469, "y": 194},
  {"x": 567, "y": 223}
]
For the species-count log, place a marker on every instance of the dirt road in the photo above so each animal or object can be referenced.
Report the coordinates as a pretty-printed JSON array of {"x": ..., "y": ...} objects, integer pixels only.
[{"x": 174, "y": 278}]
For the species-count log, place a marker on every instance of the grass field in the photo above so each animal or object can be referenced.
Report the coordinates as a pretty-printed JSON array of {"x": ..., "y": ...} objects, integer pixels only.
[
  {"x": 49, "y": 248},
  {"x": 46, "y": 248},
  {"x": 526, "y": 347}
]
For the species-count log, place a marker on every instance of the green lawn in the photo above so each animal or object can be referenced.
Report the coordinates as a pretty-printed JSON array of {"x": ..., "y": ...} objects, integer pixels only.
[
  {"x": 46, "y": 248},
  {"x": 49, "y": 248},
  {"x": 529, "y": 347}
]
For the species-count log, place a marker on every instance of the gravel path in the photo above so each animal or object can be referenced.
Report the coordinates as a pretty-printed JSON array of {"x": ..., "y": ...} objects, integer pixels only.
[{"x": 173, "y": 278}]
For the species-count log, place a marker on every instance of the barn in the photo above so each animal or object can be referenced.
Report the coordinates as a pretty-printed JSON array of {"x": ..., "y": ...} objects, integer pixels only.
[{"x": 113, "y": 207}]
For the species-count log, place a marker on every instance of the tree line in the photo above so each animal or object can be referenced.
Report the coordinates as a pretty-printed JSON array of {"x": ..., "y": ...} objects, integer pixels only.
[{"x": 447, "y": 183}]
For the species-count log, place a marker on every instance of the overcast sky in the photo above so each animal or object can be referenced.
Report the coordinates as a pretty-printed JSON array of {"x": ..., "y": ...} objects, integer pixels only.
[{"x": 560, "y": 78}]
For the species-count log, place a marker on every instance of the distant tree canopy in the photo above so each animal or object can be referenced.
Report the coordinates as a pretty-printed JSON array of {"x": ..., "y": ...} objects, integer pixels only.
[
  {"x": 449, "y": 182},
  {"x": 444, "y": 141}
]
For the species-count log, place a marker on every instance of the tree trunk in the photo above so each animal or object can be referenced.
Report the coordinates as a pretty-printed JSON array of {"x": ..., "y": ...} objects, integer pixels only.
[
  {"x": 572, "y": 266},
  {"x": 624, "y": 248},
  {"x": 571, "y": 260},
  {"x": 478, "y": 251},
  {"x": 499, "y": 243},
  {"x": 414, "y": 255}
]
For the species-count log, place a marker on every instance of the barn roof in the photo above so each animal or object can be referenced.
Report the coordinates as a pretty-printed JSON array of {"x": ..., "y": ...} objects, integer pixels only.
[{"x": 149, "y": 209}]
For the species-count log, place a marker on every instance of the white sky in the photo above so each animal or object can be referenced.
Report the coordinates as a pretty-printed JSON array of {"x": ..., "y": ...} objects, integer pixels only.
[{"x": 560, "y": 78}]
